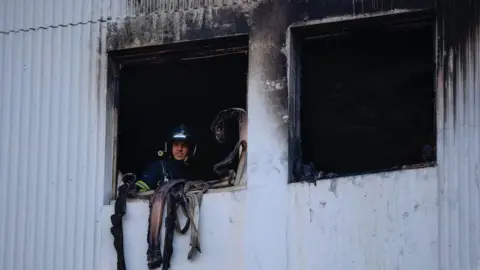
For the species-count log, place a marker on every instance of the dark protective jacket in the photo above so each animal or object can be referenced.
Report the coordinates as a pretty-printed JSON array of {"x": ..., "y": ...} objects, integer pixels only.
[{"x": 160, "y": 171}]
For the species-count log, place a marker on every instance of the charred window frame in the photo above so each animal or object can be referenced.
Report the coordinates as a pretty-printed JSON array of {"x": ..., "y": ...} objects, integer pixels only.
[
  {"x": 298, "y": 34},
  {"x": 119, "y": 59}
]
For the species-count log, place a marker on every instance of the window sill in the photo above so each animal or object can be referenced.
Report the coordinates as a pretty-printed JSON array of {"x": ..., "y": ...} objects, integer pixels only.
[
  {"x": 304, "y": 179},
  {"x": 145, "y": 196}
]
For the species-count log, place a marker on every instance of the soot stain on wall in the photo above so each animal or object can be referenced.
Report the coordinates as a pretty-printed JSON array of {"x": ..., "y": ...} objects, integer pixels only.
[
  {"x": 269, "y": 23},
  {"x": 185, "y": 25},
  {"x": 142, "y": 7},
  {"x": 270, "y": 29},
  {"x": 458, "y": 24},
  {"x": 185, "y": 21},
  {"x": 320, "y": 9}
]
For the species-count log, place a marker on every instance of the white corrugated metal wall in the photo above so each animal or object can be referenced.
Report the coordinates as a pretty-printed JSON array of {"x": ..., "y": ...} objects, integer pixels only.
[
  {"x": 22, "y": 15},
  {"x": 52, "y": 133},
  {"x": 459, "y": 152}
]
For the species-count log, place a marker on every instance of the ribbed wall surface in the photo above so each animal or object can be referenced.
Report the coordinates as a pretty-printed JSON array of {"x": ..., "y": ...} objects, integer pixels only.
[
  {"x": 22, "y": 15},
  {"x": 130, "y": 8},
  {"x": 459, "y": 134},
  {"x": 52, "y": 141}
]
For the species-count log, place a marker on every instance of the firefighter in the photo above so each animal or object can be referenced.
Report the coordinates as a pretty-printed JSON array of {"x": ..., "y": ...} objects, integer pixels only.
[{"x": 181, "y": 150}]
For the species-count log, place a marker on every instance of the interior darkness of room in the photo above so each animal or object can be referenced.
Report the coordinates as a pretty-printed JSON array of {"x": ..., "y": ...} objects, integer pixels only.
[
  {"x": 155, "y": 99},
  {"x": 368, "y": 101}
]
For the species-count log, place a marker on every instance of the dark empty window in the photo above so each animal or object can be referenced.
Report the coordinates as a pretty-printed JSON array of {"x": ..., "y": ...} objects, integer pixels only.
[{"x": 368, "y": 101}]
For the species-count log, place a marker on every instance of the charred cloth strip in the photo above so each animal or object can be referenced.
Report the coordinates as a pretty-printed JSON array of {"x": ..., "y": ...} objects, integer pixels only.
[
  {"x": 226, "y": 168},
  {"x": 124, "y": 191},
  {"x": 218, "y": 124},
  {"x": 174, "y": 194},
  {"x": 231, "y": 167}
]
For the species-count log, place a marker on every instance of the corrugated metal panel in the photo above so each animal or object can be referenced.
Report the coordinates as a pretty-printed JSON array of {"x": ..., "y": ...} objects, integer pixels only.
[
  {"x": 24, "y": 15},
  {"x": 52, "y": 141},
  {"x": 459, "y": 134},
  {"x": 132, "y": 8}
]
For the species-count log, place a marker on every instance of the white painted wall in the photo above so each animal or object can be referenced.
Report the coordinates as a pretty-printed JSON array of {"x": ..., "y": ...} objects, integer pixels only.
[
  {"x": 377, "y": 221},
  {"x": 221, "y": 234},
  {"x": 380, "y": 221}
]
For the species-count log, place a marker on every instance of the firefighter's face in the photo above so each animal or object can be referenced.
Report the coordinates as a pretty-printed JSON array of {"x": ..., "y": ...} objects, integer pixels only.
[{"x": 179, "y": 150}]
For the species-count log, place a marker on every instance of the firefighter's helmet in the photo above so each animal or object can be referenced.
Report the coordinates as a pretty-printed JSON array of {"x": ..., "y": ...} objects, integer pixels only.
[{"x": 182, "y": 133}]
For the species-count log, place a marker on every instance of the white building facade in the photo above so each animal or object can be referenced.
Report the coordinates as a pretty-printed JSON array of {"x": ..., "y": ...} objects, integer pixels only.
[{"x": 56, "y": 142}]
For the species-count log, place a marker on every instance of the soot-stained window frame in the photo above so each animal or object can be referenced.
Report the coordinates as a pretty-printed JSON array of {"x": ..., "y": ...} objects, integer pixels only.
[
  {"x": 299, "y": 32},
  {"x": 152, "y": 55}
]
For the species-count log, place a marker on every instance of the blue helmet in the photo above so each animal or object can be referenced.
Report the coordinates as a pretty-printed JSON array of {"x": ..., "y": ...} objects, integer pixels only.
[{"x": 182, "y": 133}]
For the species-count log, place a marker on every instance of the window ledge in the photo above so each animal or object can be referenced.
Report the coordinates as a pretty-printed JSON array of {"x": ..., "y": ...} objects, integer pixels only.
[
  {"x": 145, "y": 196},
  {"x": 425, "y": 165}
]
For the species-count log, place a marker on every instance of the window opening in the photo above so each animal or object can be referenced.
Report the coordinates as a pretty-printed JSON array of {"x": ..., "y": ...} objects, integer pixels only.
[
  {"x": 190, "y": 88},
  {"x": 367, "y": 101}
]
